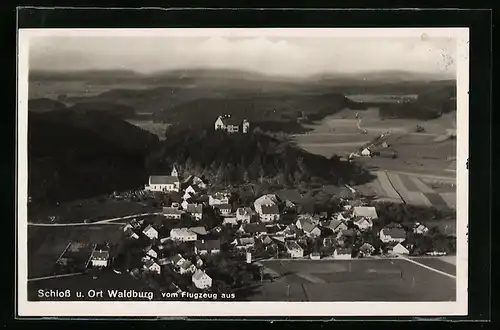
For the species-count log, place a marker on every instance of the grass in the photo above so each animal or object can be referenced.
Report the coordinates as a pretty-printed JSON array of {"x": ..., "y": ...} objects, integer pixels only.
[
  {"x": 415, "y": 284},
  {"x": 45, "y": 244},
  {"x": 437, "y": 264},
  {"x": 436, "y": 200},
  {"x": 409, "y": 183}
]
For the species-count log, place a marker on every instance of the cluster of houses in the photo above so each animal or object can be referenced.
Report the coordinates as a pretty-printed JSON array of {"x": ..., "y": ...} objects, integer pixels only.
[{"x": 379, "y": 148}]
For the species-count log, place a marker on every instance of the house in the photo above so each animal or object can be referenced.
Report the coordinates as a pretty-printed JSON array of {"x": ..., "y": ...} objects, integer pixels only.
[
  {"x": 163, "y": 261},
  {"x": 253, "y": 228},
  {"x": 201, "y": 280},
  {"x": 400, "y": 249},
  {"x": 366, "y": 152},
  {"x": 335, "y": 225},
  {"x": 207, "y": 246},
  {"x": 275, "y": 229},
  {"x": 177, "y": 260},
  {"x": 200, "y": 231},
  {"x": 193, "y": 190},
  {"x": 131, "y": 234},
  {"x": 150, "y": 232},
  {"x": 196, "y": 211},
  {"x": 244, "y": 214},
  {"x": 389, "y": 235},
  {"x": 99, "y": 257},
  {"x": 294, "y": 249},
  {"x": 364, "y": 223},
  {"x": 342, "y": 253},
  {"x": 183, "y": 235},
  {"x": 384, "y": 144},
  {"x": 366, "y": 249},
  {"x": 224, "y": 209},
  {"x": 420, "y": 229},
  {"x": 230, "y": 221},
  {"x": 269, "y": 213},
  {"x": 329, "y": 241},
  {"x": 127, "y": 227},
  {"x": 135, "y": 224},
  {"x": 243, "y": 243},
  {"x": 269, "y": 199},
  {"x": 309, "y": 228},
  {"x": 172, "y": 213},
  {"x": 163, "y": 183},
  {"x": 367, "y": 212},
  {"x": 152, "y": 266},
  {"x": 315, "y": 256},
  {"x": 152, "y": 253},
  {"x": 186, "y": 196},
  {"x": 186, "y": 267},
  {"x": 218, "y": 199}
]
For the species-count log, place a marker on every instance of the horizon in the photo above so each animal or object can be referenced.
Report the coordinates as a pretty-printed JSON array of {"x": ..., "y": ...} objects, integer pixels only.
[{"x": 293, "y": 57}]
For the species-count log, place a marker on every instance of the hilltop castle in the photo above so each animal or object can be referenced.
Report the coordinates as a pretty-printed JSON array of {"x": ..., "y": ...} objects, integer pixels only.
[{"x": 231, "y": 125}]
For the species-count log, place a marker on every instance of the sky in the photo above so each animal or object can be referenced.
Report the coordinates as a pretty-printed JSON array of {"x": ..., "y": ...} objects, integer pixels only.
[{"x": 298, "y": 56}]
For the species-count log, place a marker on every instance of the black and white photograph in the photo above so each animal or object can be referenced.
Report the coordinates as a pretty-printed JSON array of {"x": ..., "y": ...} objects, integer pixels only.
[{"x": 210, "y": 172}]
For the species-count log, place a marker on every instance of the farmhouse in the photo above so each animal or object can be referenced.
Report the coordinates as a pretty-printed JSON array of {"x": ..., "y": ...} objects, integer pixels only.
[
  {"x": 196, "y": 211},
  {"x": 224, "y": 209},
  {"x": 388, "y": 235},
  {"x": 201, "y": 280},
  {"x": 342, "y": 253},
  {"x": 218, "y": 199},
  {"x": 253, "y": 228},
  {"x": 269, "y": 200},
  {"x": 207, "y": 246},
  {"x": 163, "y": 183},
  {"x": 152, "y": 266},
  {"x": 269, "y": 213},
  {"x": 244, "y": 214},
  {"x": 150, "y": 232},
  {"x": 99, "y": 257},
  {"x": 183, "y": 235},
  {"x": 400, "y": 249},
  {"x": 172, "y": 213},
  {"x": 294, "y": 249}
]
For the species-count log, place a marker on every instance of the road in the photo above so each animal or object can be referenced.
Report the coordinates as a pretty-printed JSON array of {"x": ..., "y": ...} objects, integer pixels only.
[{"x": 109, "y": 221}]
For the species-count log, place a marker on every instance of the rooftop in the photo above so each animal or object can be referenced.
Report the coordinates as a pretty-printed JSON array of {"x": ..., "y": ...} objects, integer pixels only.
[
  {"x": 208, "y": 244},
  {"x": 394, "y": 232},
  {"x": 181, "y": 232},
  {"x": 198, "y": 274},
  {"x": 365, "y": 211},
  {"x": 163, "y": 179},
  {"x": 293, "y": 246},
  {"x": 270, "y": 209},
  {"x": 172, "y": 210}
]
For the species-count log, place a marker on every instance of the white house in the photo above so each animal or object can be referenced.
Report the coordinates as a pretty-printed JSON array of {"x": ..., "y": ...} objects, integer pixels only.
[
  {"x": 364, "y": 216},
  {"x": 269, "y": 199},
  {"x": 269, "y": 213},
  {"x": 152, "y": 266},
  {"x": 196, "y": 211},
  {"x": 183, "y": 235},
  {"x": 207, "y": 246},
  {"x": 294, "y": 249},
  {"x": 152, "y": 253},
  {"x": 99, "y": 258},
  {"x": 201, "y": 280},
  {"x": 172, "y": 213},
  {"x": 186, "y": 196},
  {"x": 193, "y": 190},
  {"x": 150, "y": 232},
  {"x": 230, "y": 221},
  {"x": 400, "y": 249},
  {"x": 177, "y": 260},
  {"x": 218, "y": 199},
  {"x": 244, "y": 214},
  {"x": 366, "y": 152},
  {"x": 389, "y": 235},
  {"x": 315, "y": 256},
  {"x": 229, "y": 124},
  {"x": 127, "y": 227},
  {"x": 420, "y": 229},
  {"x": 163, "y": 183},
  {"x": 364, "y": 224},
  {"x": 342, "y": 253}
]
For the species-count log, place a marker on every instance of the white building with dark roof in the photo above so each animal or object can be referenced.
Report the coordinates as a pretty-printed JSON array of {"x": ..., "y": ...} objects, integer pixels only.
[
  {"x": 269, "y": 213},
  {"x": 163, "y": 183},
  {"x": 201, "y": 280},
  {"x": 183, "y": 235}
]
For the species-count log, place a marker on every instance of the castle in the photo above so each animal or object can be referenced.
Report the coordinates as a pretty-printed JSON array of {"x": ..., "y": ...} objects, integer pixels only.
[{"x": 231, "y": 125}]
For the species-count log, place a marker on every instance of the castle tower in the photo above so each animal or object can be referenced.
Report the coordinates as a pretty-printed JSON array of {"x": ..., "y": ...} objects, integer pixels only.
[
  {"x": 246, "y": 126},
  {"x": 174, "y": 171}
]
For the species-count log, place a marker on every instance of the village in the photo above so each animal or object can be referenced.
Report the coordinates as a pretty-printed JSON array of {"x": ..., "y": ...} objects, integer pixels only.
[{"x": 199, "y": 222}]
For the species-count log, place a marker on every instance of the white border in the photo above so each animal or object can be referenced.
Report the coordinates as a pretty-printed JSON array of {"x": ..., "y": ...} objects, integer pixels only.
[{"x": 117, "y": 309}]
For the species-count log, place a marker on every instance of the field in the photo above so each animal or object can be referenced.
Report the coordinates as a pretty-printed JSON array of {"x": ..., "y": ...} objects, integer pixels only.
[
  {"x": 355, "y": 280},
  {"x": 92, "y": 209},
  {"x": 381, "y": 98},
  {"x": 46, "y": 244},
  {"x": 437, "y": 263},
  {"x": 156, "y": 128}
]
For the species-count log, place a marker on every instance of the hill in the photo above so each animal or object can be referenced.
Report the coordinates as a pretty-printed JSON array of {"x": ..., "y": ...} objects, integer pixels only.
[
  {"x": 73, "y": 155},
  {"x": 44, "y": 104},
  {"x": 238, "y": 158},
  {"x": 118, "y": 110}
]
